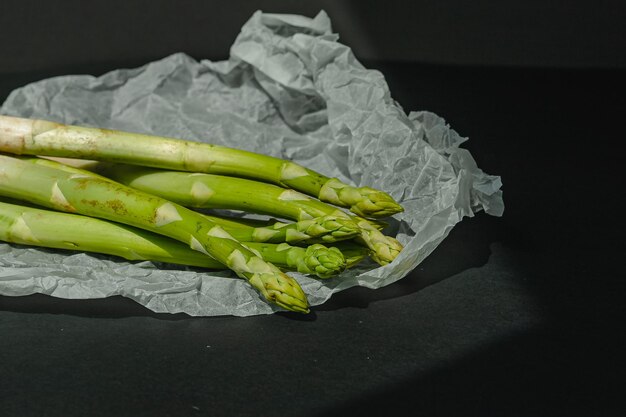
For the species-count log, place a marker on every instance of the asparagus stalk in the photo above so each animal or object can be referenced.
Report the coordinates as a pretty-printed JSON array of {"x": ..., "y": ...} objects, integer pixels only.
[
  {"x": 325, "y": 229},
  {"x": 215, "y": 191},
  {"x": 51, "y": 229},
  {"x": 40, "y": 137},
  {"x": 81, "y": 166},
  {"x": 221, "y": 192},
  {"x": 243, "y": 194},
  {"x": 315, "y": 259},
  {"x": 384, "y": 249},
  {"x": 84, "y": 194},
  {"x": 45, "y": 228}
]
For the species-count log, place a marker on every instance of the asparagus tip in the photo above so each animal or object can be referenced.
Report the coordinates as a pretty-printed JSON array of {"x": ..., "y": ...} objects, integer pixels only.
[
  {"x": 364, "y": 201},
  {"x": 386, "y": 250},
  {"x": 323, "y": 261},
  {"x": 375, "y": 203},
  {"x": 281, "y": 289}
]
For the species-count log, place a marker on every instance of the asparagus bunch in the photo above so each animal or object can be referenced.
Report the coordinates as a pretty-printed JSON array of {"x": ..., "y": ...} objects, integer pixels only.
[
  {"x": 40, "y": 137},
  {"x": 221, "y": 192},
  {"x": 84, "y": 194},
  {"x": 325, "y": 228},
  {"x": 45, "y": 228},
  {"x": 51, "y": 229},
  {"x": 152, "y": 200},
  {"x": 315, "y": 259}
]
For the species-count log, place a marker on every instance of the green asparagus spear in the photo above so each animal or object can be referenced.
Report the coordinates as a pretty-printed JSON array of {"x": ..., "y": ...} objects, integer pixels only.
[
  {"x": 242, "y": 194},
  {"x": 216, "y": 191},
  {"x": 51, "y": 229},
  {"x": 40, "y": 137},
  {"x": 83, "y": 194},
  {"x": 220, "y": 192},
  {"x": 325, "y": 229},
  {"x": 314, "y": 259}
]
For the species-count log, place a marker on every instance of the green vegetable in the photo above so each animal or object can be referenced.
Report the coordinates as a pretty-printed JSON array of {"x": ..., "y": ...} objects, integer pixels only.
[
  {"x": 315, "y": 259},
  {"x": 84, "y": 194},
  {"x": 51, "y": 229},
  {"x": 39, "y": 137},
  {"x": 242, "y": 194},
  {"x": 221, "y": 192},
  {"x": 325, "y": 228}
]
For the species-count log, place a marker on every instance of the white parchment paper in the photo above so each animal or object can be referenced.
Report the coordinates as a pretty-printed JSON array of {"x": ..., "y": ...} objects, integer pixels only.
[{"x": 289, "y": 89}]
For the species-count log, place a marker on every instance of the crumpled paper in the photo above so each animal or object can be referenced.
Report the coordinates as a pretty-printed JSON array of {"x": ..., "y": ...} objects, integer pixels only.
[{"x": 290, "y": 90}]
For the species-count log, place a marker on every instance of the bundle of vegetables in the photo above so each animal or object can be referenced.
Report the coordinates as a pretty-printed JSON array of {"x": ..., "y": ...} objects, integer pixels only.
[{"x": 141, "y": 203}]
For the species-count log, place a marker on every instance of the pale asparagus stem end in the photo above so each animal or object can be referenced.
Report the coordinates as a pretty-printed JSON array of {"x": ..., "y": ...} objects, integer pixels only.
[
  {"x": 363, "y": 201},
  {"x": 14, "y": 132}
]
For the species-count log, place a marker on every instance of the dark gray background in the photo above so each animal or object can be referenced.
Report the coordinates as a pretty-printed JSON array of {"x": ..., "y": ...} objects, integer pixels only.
[
  {"x": 517, "y": 316},
  {"x": 37, "y": 35}
]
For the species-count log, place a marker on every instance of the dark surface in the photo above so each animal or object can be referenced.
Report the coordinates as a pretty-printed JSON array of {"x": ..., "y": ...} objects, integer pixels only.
[
  {"x": 513, "y": 316},
  {"x": 46, "y": 34}
]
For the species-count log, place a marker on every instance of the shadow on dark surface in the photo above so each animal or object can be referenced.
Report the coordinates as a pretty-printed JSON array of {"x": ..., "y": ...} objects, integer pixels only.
[
  {"x": 528, "y": 374},
  {"x": 466, "y": 247},
  {"x": 311, "y": 316},
  {"x": 111, "y": 307}
]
